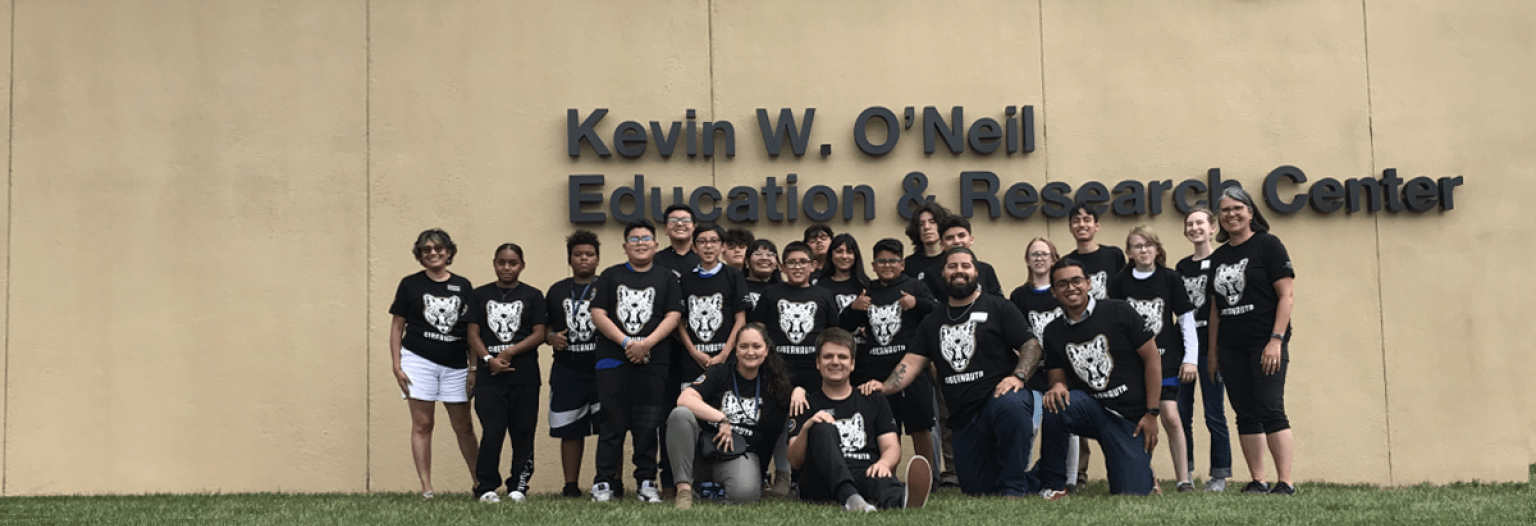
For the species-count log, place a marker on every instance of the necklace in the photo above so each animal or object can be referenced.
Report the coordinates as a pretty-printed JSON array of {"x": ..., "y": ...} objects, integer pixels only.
[
  {"x": 505, "y": 292},
  {"x": 962, "y": 313}
]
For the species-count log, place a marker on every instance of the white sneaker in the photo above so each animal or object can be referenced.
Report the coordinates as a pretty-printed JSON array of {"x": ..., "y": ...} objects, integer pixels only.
[
  {"x": 489, "y": 496},
  {"x": 601, "y": 492},
  {"x": 648, "y": 493},
  {"x": 516, "y": 496},
  {"x": 857, "y": 503}
]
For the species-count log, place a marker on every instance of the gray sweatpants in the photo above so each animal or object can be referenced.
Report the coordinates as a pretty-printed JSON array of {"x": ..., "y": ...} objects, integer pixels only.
[{"x": 741, "y": 476}]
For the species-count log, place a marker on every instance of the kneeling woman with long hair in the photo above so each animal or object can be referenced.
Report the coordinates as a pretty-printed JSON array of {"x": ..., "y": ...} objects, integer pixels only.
[{"x": 742, "y": 405}]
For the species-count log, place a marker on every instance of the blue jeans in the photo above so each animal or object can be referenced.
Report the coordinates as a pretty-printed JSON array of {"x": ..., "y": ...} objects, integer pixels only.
[
  {"x": 1125, "y": 457},
  {"x": 1215, "y": 421},
  {"x": 992, "y": 451}
]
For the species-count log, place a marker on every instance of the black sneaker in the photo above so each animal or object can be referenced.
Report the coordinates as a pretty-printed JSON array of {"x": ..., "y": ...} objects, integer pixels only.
[
  {"x": 1283, "y": 489},
  {"x": 1256, "y": 488},
  {"x": 571, "y": 490}
]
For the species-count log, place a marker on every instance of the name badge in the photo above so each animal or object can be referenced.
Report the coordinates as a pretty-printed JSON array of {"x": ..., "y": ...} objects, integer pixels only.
[
  {"x": 1205, "y": 264},
  {"x": 979, "y": 317},
  {"x": 454, "y": 288}
]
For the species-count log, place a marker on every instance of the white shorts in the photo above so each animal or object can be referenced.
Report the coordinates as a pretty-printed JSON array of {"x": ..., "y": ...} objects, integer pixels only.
[{"x": 434, "y": 382}]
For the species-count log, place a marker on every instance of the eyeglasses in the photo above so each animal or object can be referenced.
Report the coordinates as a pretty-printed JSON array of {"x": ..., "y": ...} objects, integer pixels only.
[
  {"x": 680, "y": 220},
  {"x": 887, "y": 261},
  {"x": 640, "y": 239},
  {"x": 1039, "y": 255},
  {"x": 706, "y": 242},
  {"x": 1143, "y": 247},
  {"x": 1074, "y": 282},
  {"x": 425, "y": 249},
  {"x": 797, "y": 263},
  {"x": 1232, "y": 210}
]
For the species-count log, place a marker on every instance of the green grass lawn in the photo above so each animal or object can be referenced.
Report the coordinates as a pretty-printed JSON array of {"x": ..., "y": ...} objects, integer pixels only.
[{"x": 1316, "y": 503}]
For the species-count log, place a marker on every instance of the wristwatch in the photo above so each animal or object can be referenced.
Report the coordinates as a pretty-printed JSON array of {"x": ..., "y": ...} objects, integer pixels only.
[
  {"x": 1021, "y": 377},
  {"x": 1154, "y": 411},
  {"x": 1277, "y": 336},
  {"x": 486, "y": 358}
]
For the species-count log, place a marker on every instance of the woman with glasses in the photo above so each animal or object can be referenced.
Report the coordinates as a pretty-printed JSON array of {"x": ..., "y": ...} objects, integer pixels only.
[
  {"x": 1195, "y": 270},
  {"x": 762, "y": 268},
  {"x": 1039, "y": 307},
  {"x": 430, "y": 350},
  {"x": 1157, "y": 294},
  {"x": 1251, "y": 292}
]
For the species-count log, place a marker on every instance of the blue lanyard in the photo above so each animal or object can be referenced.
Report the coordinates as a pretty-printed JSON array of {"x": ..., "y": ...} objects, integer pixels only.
[{"x": 757, "y": 397}]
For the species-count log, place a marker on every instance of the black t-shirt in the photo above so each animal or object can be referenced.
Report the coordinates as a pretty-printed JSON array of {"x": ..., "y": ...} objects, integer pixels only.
[
  {"x": 679, "y": 265},
  {"x": 436, "y": 324},
  {"x": 843, "y": 291},
  {"x": 973, "y": 348},
  {"x": 636, "y": 302},
  {"x": 795, "y": 316},
  {"x": 887, "y": 328},
  {"x": 711, "y": 305},
  {"x": 919, "y": 263},
  {"x": 758, "y": 418},
  {"x": 1039, "y": 308},
  {"x": 755, "y": 290},
  {"x": 861, "y": 420},
  {"x": 1159, "y": 299},
  {"x": 1100, "y": 265},
  {"x": 1099, "y": 356},
  {"x": 1243, "y": 286},
  {"x": 1196, "y": 275},
  {"x": 986, "y": 278},
  {"x": 570, "y": 310},
  {"x": 506, "y": 317}
]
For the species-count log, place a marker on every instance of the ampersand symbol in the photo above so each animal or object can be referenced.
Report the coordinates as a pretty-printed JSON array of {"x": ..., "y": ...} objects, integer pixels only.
[{"x": 912, "y": 196}]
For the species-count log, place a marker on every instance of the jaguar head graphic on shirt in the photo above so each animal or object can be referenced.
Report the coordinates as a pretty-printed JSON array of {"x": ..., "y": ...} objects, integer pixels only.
[
  {"x": 1151, "y": 312},
  {"x": 504, "y": 318},
  {"x": 851, "y": 433},
  {"x": 578, "y": 320},
  {"x": 1091, "y": 361},
  {"x": 1230, "y": 280},
  {"x": 635, "y": 308},
  {"x": 1195, "y": 286},
  {"x": 957, "y": 343},
  {"x": 797, "y": 319},
  {"x": 886, "y": 321},
  {"x": 441, "y": 313},
  {"x": 704, "y": 315}
]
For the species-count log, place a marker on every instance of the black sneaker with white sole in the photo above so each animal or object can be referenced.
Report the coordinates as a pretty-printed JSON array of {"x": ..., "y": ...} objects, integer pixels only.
[
  {"x": 1256, "y": 488},
  {"x": 1283, "y": 489}
]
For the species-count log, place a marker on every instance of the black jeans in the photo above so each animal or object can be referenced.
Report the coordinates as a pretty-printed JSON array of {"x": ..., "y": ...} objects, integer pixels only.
[
  {"x": 631, "y": 396},
  {"x": 503, "y": 410},
  {"x": 827, "y": 476},
  {"x": 1257, "y": 398}
]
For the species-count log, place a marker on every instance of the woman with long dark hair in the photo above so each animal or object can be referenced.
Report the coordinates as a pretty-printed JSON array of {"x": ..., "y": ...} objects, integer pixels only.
[
  {"x": 844, "y": 274},
  {"x": 430, "y": 350},
  {"x": 743, "y": 404},
  {"x": 1252, "y": 295}
]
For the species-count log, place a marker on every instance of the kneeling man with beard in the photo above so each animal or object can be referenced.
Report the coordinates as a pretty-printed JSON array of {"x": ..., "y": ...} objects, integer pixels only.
[{"x": 984, "y": 352}]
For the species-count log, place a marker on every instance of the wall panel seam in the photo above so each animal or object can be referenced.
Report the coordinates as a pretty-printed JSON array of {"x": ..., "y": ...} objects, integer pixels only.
[
  {"x": 1381, "y": 316},
  {"x": 368, "y": 244},
  {"x": 10, "y": 163},
  {"x": 1042, "y": 119}
]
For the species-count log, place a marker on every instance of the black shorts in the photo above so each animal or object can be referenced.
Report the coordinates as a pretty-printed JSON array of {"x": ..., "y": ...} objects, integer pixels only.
[
  {"x": 914, "y": 406},
  {"x": 573, "y": 402},
  {"x": 1170, "y": 392}
]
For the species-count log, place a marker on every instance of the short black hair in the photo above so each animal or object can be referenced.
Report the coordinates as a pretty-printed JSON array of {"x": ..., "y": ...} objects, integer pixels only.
[
  {"x": 796, "y": 246},
  {"x": 1086, "y": 208},
  {"x": 958, "y": 250},
  {"x": 889, "y": 244},
  {"x": 1064, "y": 263},
  {"x": 639, "y": 223},
  {"x": 708, "y": 227},
  {"x": 812, "y": 230},
  {"x": 679, "y": 206},
  {"x": 509, "y": 246},
  {"x": 739, "y": 237},
  {"x": 954, "y": 221},
  {"x": 582, "y": 237}
]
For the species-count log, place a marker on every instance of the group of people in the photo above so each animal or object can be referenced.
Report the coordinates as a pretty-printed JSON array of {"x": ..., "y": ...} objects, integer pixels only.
[{"x": 721, "y": 351}]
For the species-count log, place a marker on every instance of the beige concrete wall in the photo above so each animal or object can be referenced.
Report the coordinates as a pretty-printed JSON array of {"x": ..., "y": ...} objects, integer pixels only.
[
  {"x": 189, "y": 190},
  {"x": 5, "y": 230},
  {"x": 467, "y": 120},
  {"x": 215, "y": 200},
  {"x": 1447, "y": 84}
]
